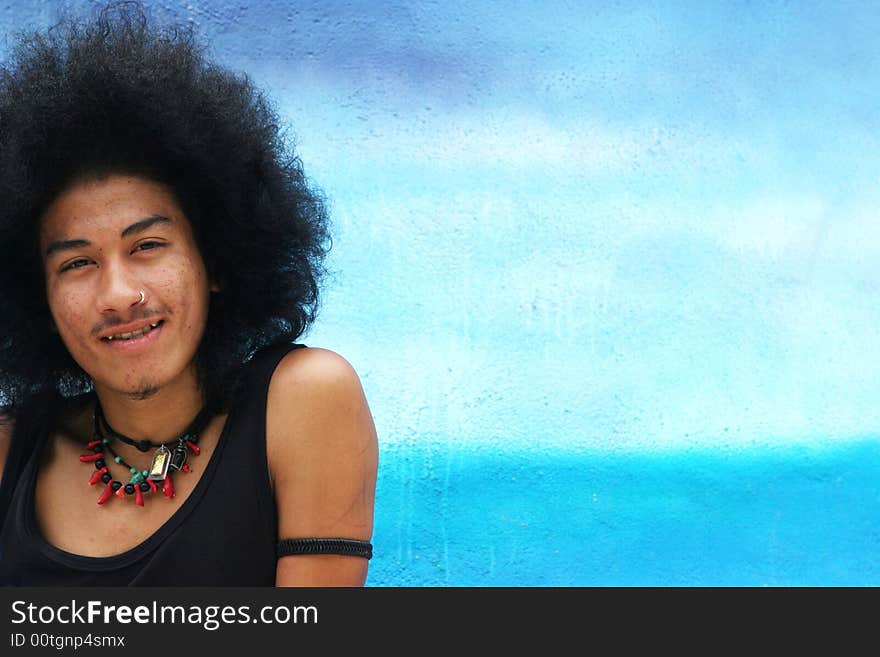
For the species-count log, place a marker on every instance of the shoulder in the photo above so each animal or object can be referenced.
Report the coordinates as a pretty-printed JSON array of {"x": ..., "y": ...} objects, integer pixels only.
[
  {"x": 316, "y": 380},
  {"x": 316, "y": 408},
  {"x": 69, "y": 416},
  {"x": 311, "y": 367},
  {"x": 6, "y": 424}
]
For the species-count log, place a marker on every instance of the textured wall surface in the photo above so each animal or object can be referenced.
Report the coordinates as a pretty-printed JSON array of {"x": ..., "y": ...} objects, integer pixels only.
[{"x": 608, "y": 270}]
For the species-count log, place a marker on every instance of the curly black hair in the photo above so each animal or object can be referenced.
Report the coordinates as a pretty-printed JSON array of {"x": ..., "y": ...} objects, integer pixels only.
[{"x": 118, "y": 94}]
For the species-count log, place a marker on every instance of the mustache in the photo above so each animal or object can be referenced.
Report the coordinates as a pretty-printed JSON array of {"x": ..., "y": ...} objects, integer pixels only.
[{"x": 136, "y": 314}]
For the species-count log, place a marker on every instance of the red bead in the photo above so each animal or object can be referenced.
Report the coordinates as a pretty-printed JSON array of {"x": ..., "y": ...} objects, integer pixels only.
[
  {"x": 96, "y": 476},
  {"x": 195, "y": 448},
  {"x": 121, "y": 492},
  {"x": 138, "y": 496},
  {"x": 89, "y": 458},
  {"x": 153, "y": 486},
  {"x": 167, "y": 488},
  {"x": 93, "y": 443},
  {"x": 108, "y": 491},
  {"x": 185, "y": 467}
]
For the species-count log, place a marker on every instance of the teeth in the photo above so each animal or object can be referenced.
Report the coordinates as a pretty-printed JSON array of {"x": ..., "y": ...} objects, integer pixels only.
[{"x": 133, "y": 334}]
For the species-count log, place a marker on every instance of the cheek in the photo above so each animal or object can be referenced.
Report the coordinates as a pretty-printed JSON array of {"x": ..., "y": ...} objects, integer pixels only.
[
  {"x": 186, "y": 284},
  {"x": 68, "y": 313}
]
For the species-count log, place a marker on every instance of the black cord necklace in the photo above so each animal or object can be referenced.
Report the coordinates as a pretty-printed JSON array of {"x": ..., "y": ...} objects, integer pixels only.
[
  {"x": 194, "y": 429},
  {"x": 164, "y": 460}
]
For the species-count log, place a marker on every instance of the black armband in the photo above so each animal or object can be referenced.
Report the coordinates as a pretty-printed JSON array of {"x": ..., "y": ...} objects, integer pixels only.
[{"x": 343, "y": 546}]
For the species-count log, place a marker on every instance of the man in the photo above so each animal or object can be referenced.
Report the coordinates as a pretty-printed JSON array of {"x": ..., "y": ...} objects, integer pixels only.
[{"x": 161, "y": 252}]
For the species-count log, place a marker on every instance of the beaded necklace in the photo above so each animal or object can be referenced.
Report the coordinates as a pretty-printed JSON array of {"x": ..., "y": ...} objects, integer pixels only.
[{"x": 163, "y": 463}]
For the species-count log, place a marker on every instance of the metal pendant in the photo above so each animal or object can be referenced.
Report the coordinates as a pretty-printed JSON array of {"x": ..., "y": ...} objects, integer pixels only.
[
  {"x": 178, "y": 457},
  {"x": 159, "y": 466}
]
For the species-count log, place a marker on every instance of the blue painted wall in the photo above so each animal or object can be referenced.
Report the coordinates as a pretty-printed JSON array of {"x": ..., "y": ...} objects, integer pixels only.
[{"x": 609, "y": 273}]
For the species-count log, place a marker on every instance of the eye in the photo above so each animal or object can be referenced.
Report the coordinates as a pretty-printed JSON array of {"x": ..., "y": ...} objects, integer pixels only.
[
  {"x": 148, "y": 245},
  {"x": 75, "y": 264}
]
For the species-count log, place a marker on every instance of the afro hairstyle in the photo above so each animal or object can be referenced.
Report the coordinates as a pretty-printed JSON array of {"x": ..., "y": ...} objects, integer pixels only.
[{"x": 116, "y": 94}]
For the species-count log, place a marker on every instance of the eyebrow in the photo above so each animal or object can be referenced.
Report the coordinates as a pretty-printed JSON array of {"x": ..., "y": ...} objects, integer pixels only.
[{"x": 135, "y": 228}]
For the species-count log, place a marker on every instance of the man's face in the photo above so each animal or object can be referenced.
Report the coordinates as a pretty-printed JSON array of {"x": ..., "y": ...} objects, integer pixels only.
[{"x": 104, "y": 242}]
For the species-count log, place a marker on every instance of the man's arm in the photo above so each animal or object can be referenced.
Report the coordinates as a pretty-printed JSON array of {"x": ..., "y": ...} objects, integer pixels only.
[
  {"x": 5, "y": 439},
  {"x": 323, "y": 457}
]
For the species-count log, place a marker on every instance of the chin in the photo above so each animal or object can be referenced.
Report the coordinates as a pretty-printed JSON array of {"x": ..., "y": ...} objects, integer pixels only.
[
  {"x": 143, "y": 389},
  {"x": 145, "y": 379},
  {"x": 144, "y": 393}
]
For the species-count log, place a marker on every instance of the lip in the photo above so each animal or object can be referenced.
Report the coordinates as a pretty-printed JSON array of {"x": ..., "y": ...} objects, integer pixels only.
[
  {"x": 133, "y": 344},
  {"x": 128, "y": 328}
]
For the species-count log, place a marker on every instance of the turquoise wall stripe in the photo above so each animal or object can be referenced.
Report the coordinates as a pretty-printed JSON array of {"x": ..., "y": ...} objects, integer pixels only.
[{"x": 789, "y": 516}]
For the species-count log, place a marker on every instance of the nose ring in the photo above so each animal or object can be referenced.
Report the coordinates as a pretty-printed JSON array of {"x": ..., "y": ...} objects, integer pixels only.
[{"x": 143, "y": 298}]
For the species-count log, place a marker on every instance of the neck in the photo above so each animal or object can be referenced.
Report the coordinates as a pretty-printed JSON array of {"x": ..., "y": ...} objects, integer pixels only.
[{"x": 160, "y": 416}]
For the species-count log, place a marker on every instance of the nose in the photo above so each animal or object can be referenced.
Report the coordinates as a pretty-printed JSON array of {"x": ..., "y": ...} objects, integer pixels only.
[{"x": 119, "y": 289}]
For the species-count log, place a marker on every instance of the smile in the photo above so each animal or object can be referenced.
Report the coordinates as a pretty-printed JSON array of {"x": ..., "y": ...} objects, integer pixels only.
[{"x": 133, "y": 334}]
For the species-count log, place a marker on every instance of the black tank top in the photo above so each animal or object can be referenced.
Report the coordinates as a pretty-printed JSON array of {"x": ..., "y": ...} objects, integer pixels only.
[{"x": 224, "y": 533}]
